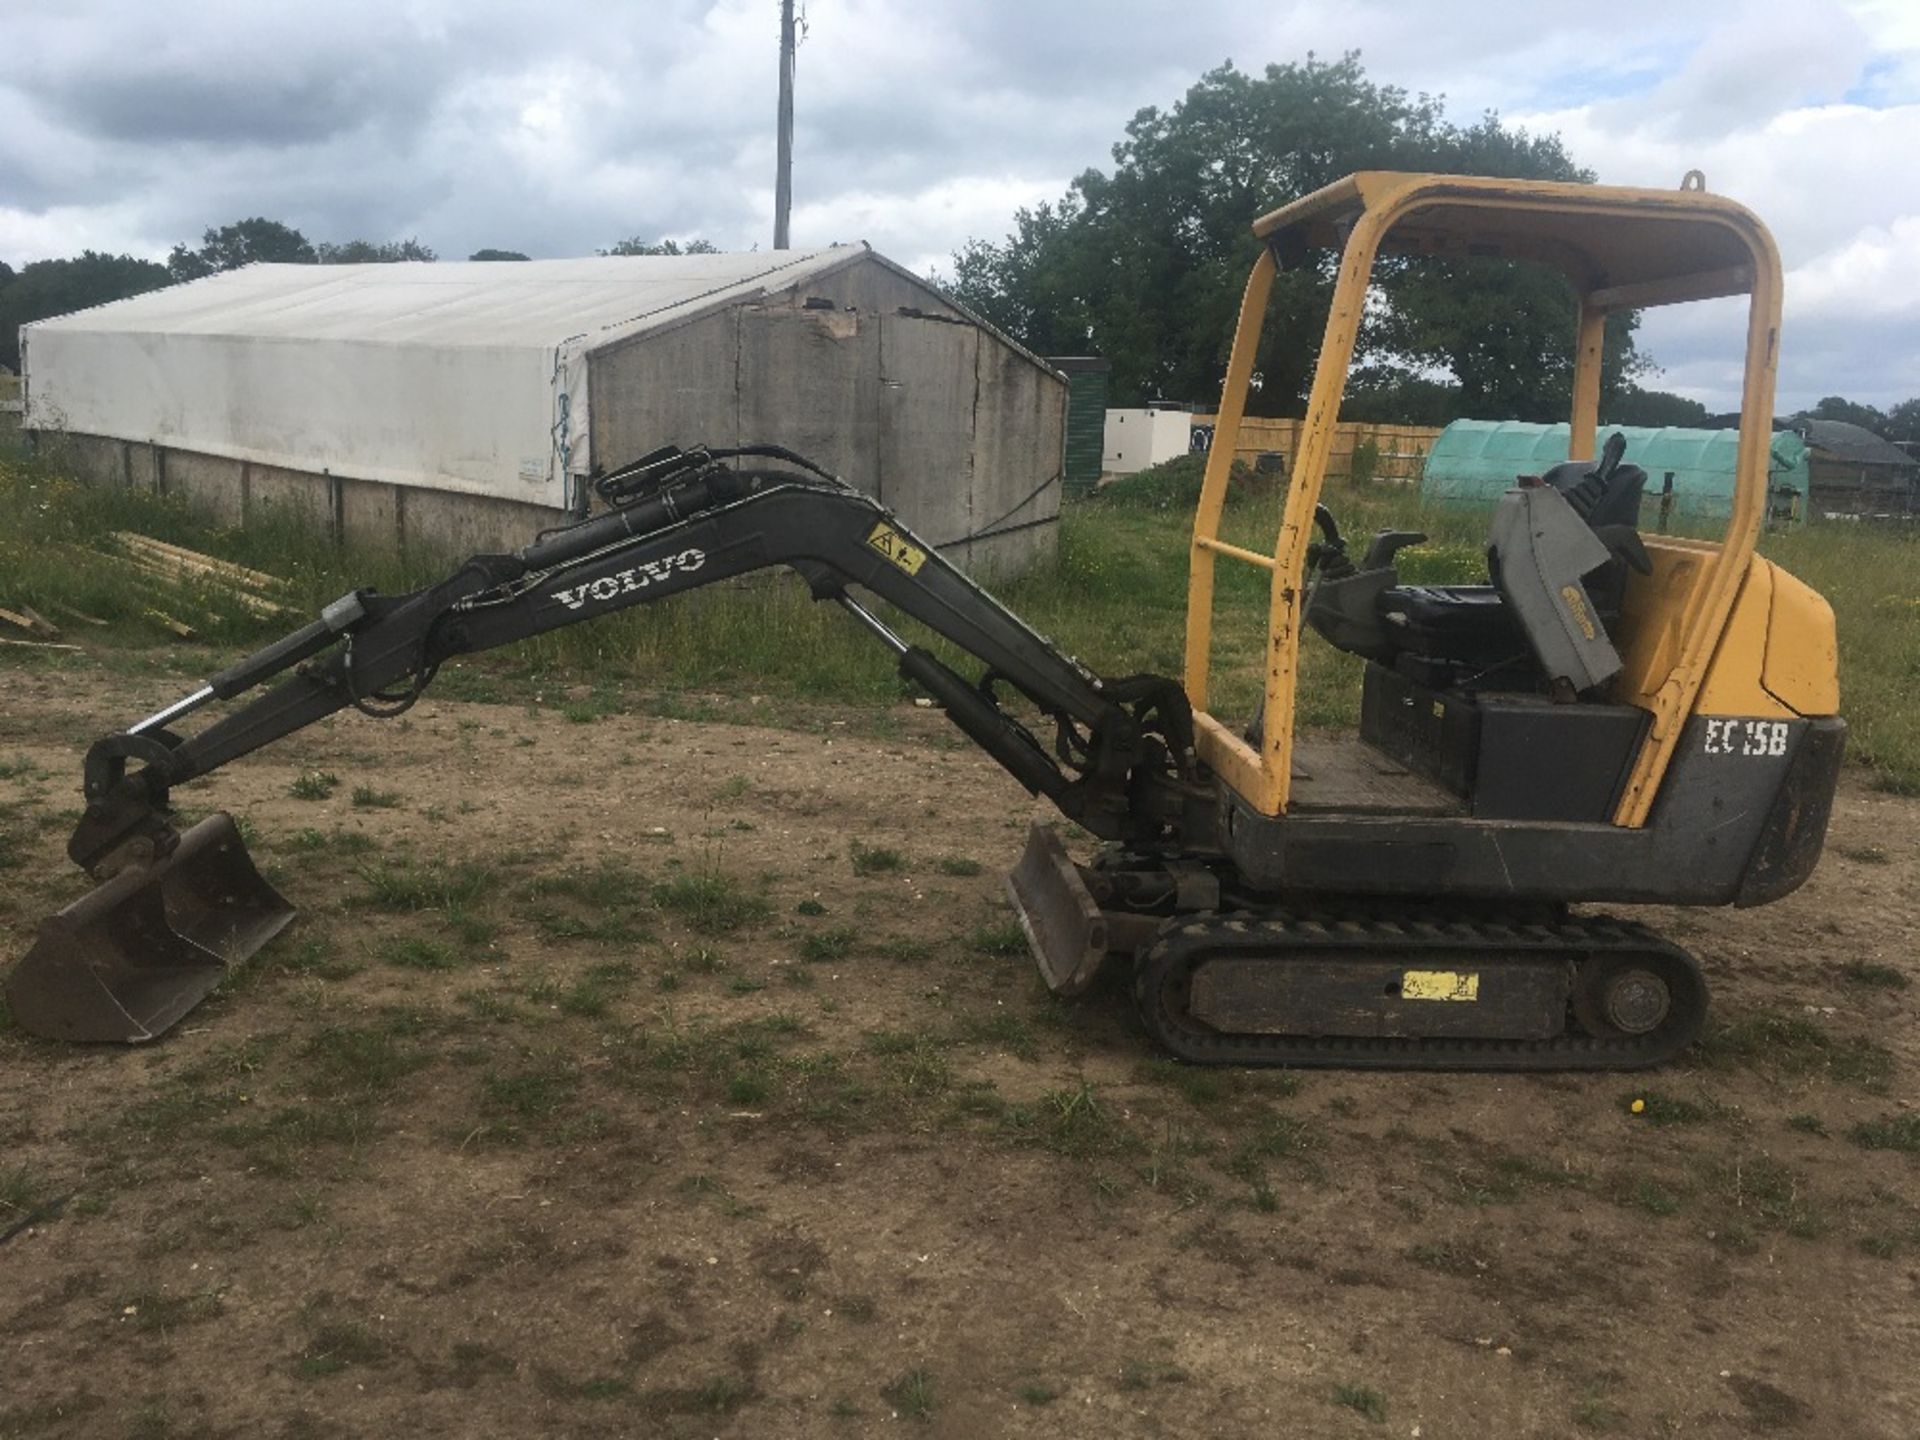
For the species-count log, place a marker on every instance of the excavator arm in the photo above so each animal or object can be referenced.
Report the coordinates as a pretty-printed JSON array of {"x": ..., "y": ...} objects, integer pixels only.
[{"x": 1120, "y": 760}]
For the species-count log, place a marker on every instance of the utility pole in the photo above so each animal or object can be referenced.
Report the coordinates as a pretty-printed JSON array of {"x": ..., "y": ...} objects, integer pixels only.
[{"x": 783, "y": 178}]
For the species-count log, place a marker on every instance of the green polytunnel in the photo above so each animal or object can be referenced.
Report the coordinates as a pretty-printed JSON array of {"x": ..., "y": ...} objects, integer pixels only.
[{"x": 1689, "y": 472}]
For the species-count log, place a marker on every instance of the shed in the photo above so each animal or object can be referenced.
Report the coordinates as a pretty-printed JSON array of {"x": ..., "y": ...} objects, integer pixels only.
[
  {"x": 1854, "y": 472},
  {"x": 1689, "y": 472},
  {"x": 1089, "y": 380},
  {"x": 465, "y": 405},
  {"x": 1140, "y": 439}
]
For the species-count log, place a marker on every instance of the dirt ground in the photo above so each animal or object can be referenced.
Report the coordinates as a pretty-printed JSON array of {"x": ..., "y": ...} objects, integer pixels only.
[{"x": 627, "y": 1075}]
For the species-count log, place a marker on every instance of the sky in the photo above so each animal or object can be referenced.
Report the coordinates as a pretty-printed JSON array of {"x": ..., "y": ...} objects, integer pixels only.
[{"x": 560, "y": 126}]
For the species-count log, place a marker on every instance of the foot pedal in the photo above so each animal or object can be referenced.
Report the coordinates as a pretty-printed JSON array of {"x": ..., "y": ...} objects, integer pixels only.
[{"x": 1065, "y": 929}]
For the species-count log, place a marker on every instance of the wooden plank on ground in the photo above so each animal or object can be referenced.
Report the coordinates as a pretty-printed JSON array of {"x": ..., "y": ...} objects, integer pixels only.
[
  {"x": 196, "y": 561},
  {"x": 25, "y": 619},
  {"x": 41, "y": 624},
  {"x": 178, "y": 627}
]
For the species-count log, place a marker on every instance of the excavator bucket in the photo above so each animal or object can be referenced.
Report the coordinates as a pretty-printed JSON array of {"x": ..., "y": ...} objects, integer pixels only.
[
  {"x": 126, "y": 961},
  {"x": 1065, "y": 928}
]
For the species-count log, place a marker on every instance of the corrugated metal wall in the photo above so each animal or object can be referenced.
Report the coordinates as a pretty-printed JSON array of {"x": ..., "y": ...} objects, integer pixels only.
[{"x": 871, "y": 374}]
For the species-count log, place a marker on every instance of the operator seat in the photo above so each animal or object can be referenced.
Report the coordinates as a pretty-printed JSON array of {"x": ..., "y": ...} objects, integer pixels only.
[{"x": 1469, "y": 635}]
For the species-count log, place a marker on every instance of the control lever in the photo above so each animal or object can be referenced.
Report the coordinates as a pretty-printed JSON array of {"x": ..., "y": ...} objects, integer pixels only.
[{"x": 1387, "y": 544}]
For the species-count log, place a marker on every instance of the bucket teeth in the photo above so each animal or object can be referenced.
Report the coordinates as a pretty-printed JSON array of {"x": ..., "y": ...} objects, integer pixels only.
[
  {"x": 126, "y": 961},
  {"x": 1064, "y": 926}
]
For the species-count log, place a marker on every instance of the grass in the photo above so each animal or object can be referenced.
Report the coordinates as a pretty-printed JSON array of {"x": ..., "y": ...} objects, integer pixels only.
[
  {"x": 314, "y": 785},
  {"x": 410, "y": 952},
  {"x": 533, "y": 1093},
  {"x": 1652, "y": 1197},
  {"x": 157, "y": 1312},
  {"x": 1794, "y": 1045},
  {"x": 1866, "y": 574},
  {"x": 1363, "y": 1398},
  {"x": 433, "y": 885},
  {"x": 711, "y": 901},
  {"x": 912, "y": 1394},
  {"x": 1146, "y": 1374},
  {"x": 1662, "y": 1109},
  {"x": 1115, "y": 596},
  {"x": 1074, "y": 1123},
  {"x": 1004, "y": 1030},
  {"x": 821, "y": 946},
  {"x": 1890, "y": 1132},
  {"x": 1762, "y": 1191},
  {"x": 875, "y": 859},
  {"x": 365, "y": 797},
  {"x": 20, "y": 1193},
  {"x": 337, "y": 1346},
  {"x": 1592, "y": 1411},
  {"x": 1874, "y": 975},
  {"x": 1000, "y": 939}
]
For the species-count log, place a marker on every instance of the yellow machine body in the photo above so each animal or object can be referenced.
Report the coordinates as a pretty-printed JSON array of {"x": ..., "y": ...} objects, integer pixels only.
[{"x": 1714, "y": 630}]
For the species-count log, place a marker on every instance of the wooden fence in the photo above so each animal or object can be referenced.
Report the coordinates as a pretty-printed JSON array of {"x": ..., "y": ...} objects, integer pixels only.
[{"x": 1398, "y": 452}]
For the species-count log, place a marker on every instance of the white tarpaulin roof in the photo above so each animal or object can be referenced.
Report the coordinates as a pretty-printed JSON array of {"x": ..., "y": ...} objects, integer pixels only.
[{"x": 457, "y": 376}]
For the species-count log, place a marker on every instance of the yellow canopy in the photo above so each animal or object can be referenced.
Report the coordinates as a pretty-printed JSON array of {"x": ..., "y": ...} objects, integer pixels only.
[{"x": 1622, "y": 248}]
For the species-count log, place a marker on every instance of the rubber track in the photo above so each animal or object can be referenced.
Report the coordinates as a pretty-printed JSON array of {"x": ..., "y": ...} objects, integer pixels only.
[{"x": 1165, "y": 969}]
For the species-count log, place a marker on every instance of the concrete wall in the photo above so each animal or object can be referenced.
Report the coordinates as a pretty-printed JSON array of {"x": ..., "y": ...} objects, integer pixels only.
[
  {"x": 873, "y": 375},
  {"x": 234, "y": 492}
]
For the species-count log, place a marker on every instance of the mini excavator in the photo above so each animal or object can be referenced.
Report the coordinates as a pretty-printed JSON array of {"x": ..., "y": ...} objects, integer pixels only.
[{"x": 1611, "y": 717}]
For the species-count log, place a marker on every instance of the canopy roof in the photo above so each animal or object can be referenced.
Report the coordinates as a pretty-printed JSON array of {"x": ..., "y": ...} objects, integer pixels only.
[
  {"x": 1654, "y": 247},
  {"x": 1854, "y": 443},
  {"x": 494, "y": 304}
]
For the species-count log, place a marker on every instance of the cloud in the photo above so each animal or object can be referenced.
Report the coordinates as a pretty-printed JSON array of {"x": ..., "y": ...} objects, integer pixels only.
[
  {"x": 558, "y": 126},
  {"x": 1832, "y": 178}
]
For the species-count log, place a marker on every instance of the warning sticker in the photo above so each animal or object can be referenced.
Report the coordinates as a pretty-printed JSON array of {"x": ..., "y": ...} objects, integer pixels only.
[
  {"x": 1439, "y": 985},
  {"x": 890, "y": 543},
  {"x": 1577, "y": 607}
]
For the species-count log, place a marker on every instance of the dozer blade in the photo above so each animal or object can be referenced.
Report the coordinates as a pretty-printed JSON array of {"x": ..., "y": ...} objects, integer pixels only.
[
  {"x": 126, "y": 961},
  {"x": 1066, "y": 930}
]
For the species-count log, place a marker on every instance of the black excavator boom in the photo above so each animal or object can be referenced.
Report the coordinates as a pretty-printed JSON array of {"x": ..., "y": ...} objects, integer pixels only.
[
  {"x": 176, "y": 910},
  {"x": 1228, "y": 969}
]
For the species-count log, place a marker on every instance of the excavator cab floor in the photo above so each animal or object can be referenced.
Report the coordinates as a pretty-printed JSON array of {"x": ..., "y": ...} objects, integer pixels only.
[{"x": 1344, "y": 774}]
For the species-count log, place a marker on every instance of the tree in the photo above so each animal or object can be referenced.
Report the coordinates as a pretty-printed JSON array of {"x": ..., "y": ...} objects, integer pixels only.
[
  {"x": 497, "y": 255},
  {"x": 1838, "y": 407},
  {"x": 6, "y": 274},
  {"x": 634, "y": 245},
  {"x": 56, "y": 287},
  {"x": 1386, "y": 394},
  {"x": 1145, "y": 264},
  {"x": 1634, "y": 406},
  {"x": 1903, "y": 422},
  {"x": 365, "y": 252},
  {"x": 245, "y": 242}
]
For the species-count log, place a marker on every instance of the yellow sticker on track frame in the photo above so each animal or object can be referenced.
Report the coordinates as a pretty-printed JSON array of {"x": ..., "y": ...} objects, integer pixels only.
[
  {"x": 1440, "y": 985},
  {"x": 896, "y": 548}
]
